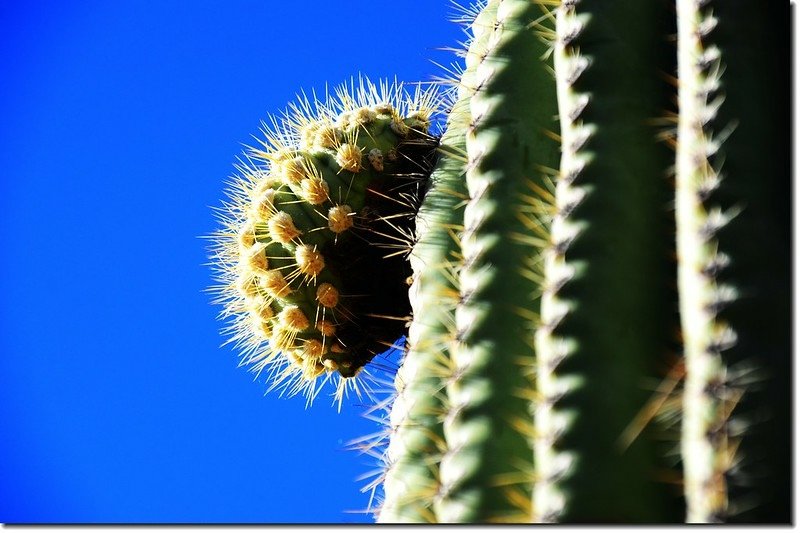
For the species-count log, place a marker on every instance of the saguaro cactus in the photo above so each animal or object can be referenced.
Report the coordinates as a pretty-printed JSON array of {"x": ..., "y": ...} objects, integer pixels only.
[{"x": 566, "y": 253}]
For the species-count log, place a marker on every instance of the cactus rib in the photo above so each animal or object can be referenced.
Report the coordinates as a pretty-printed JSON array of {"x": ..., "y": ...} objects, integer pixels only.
[
  {"x": 486, "y": 467},
  {"x": 417, "y": 442},
  {"x": 607, "y": 274},
  {"x": 734, "y": 262},
  {"x": 704, "y": 441}
]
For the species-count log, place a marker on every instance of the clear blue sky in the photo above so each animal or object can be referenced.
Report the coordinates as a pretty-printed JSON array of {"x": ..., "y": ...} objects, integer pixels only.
[{"x": 120, "y": 122}]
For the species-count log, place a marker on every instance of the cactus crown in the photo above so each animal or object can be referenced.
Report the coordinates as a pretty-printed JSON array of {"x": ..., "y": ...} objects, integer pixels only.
[{"x": 311, "y": 255}]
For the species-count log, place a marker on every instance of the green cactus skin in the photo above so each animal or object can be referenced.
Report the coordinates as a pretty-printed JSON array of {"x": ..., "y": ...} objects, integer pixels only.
[
  {"x": 311, "y": 259},
  {"x": 606, "y": 312},
  {"x": 485, "y": 471},
  {"x": 732, "y": 211},
  {"x": 417, "y": 440}
]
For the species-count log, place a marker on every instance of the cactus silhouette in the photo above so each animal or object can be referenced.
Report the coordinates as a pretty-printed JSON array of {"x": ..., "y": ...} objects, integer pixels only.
[{"x": 596, "y": 283}]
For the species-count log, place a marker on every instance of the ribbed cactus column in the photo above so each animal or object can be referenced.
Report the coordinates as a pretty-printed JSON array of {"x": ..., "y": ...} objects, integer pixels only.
[
  {"x": 704, "y": 443},
  {"x": 606, "y": 316},
  {"x": 486, "y": 469},
  {"x": 732, "y": 215}
]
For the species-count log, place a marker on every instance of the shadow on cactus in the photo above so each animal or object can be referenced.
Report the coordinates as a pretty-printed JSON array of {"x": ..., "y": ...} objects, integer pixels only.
[{"x": 311, "y": 259}]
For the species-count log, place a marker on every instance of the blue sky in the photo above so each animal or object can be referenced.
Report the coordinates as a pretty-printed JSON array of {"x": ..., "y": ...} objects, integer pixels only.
[{"x": 120, "y": 123}]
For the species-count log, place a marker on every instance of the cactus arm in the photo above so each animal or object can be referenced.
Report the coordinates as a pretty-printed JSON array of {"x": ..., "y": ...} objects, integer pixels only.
[
  {"x": 302, "y": 256},
  {"x": 507, "y": 144},
  {"x": 607, "y": 272}
]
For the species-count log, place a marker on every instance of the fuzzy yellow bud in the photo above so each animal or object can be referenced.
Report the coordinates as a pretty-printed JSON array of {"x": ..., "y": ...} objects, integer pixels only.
[
  {"x": 308, "y": 134},
  {"x": 327, "y": 295},
  {"x": 282, "y": 338},
  {"x": 257, "y": 258},
  {"x": 247, "y": 285},
  {"x": 340, "y": 218},
  {"x": 293, "y": 319},
  {"x": 259, "y": 306},
  {"x": 327, "y": 137},
  {"x": 349, "y": 157},
  {"x": 263, "y": 206},
  {"x": 314, "y": 191},
  {"x": 259, "y": 327},
  {"x": 363, "y": 116},
  {"x": 420, "y": 121},
  {"x": 247, "y": 235},
  {"x": 313, "y": 349},
  {"x": 398, "y": 126},
  {"x": 282, "y": 229},
  {"x": 293, "y": 170},
  {"x": 274, "y": 283},
  {"x": 384, "y": 109},
  {"x": 326, "y": 327},
  {"x": 309, "y": 260}
]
